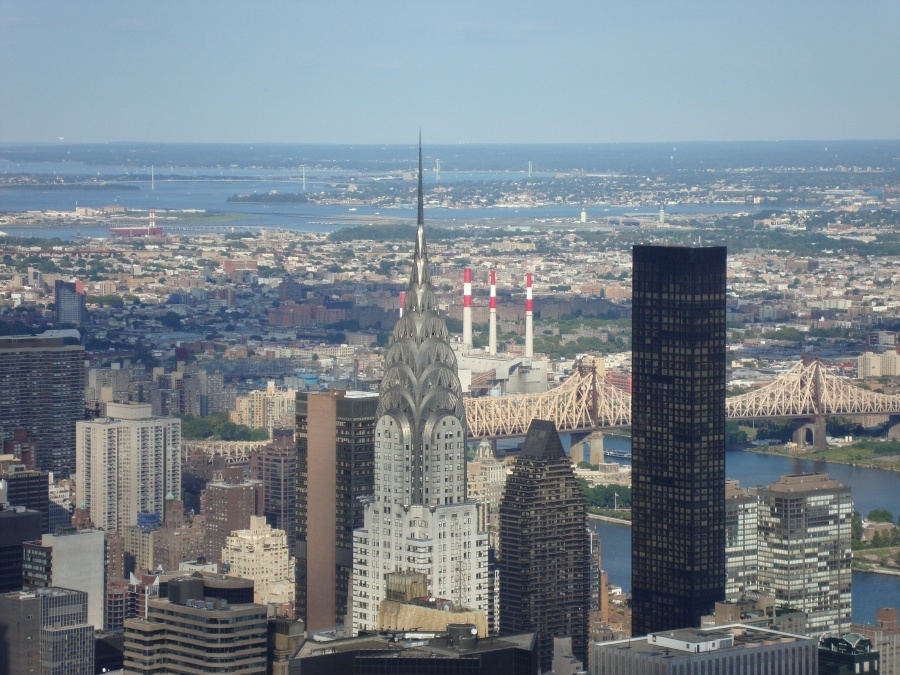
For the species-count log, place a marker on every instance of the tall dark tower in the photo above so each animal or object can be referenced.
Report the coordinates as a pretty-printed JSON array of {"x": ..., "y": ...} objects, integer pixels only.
[
  {"x": 678, "y": 436},
  {"x": 544, "y": 547},
  {"x": 335, "y": 472}
]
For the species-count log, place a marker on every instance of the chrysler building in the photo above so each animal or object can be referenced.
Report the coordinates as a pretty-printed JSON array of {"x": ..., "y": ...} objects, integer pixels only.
[{"x": 419, "y": 523}]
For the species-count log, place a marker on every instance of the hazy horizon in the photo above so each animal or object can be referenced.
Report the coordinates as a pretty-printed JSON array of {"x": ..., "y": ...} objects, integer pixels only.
[{"x": 355, "y": 72}]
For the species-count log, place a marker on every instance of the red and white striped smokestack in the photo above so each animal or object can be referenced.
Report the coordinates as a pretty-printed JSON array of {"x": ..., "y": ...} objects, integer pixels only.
[
  {"x": 402, "y": 301},
  {"x": 492, "y": 335},
  {"x": 467, "y": 308},
  {"x": 529, "y": 317},
  {"x": 152, "y": 220}
]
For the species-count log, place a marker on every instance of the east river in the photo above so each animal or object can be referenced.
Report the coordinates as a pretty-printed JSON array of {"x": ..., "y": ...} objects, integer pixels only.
[{"x": 871, "y": 489}]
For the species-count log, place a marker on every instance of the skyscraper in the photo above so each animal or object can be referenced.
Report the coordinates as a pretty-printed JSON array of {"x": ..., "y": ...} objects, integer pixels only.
[
  {"x": 228, "y": 503},
  {"x": 260, "y": 553},
  {"x": 544, "y": 547},
  {"x": 46, "y": 631},
  {"x": 17, "y": 526},
  {"x": 741, "y": 533},
  {"x": 275, "y": 466},
  {"x": 199, "y": 624},
  {"x": 128, "y": 462},
  {"x": 28, "y": 488},
  {"x": 678, "y": 436},
  {"x": 804, "y": 548},
  {"x": 69, "y": 300},
  {"x": 72, "y": 559},
  {"x": 42, "y": 391},
  {"x": 419, "y": 520},
  {"x": 335, "y": 457}
]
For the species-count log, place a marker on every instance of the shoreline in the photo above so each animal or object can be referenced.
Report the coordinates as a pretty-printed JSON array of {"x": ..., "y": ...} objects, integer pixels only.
[
  {"x": 608, "y": 519},
  {"x": 877, "y": 570},
  {"x": 862, "y": 464}
]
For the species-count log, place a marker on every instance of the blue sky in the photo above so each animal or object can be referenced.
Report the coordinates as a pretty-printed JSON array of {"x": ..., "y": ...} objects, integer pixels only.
[{"x": 490, "y": 71}]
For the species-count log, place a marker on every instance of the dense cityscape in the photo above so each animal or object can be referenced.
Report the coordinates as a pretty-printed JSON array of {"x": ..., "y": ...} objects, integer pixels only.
[{"x": 350, "y": 445}]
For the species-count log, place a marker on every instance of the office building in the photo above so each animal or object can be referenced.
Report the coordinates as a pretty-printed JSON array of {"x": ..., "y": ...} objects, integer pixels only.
[
  {"x": 22, "y": 448},
  {"x": 885, "y": 638},
  {"x": 17, "y": 525},
  {"x": 199, "y": 625},
  {"x": 71, "y": 559},
  {"x": 61, "y": 504},
  {"x": 544, "y": 547},
  {"x": 266, "y": 409},
  {"x": 275, "y": 466},
  {"x": 42, "y": 392},
  {"x": 419, "y": 520},
  {"x": 486, "y": 478},
  {"x": 454, "y": 650},
  {"x": 139, "y": 541},
  {"x": 46, "y": 631},
  {"x": 851, "y": 653},
  {"x": 227, "y": 504},
  {"x": 28, "y": 488},
  {"x": 127, "y": 463},
  {"x": 179, "y": 539},
  {"x": 678, "y": 435},
  {"x": 261, "y": 554},
  {"x": 285, "y": 636},
  {"x": 804, "y": 548},
  {"x": 335, "y": 472},
  {"x": 735, "y": 648},
  {"x": 69, "y": 301},
  {"x": 741, "y": 510}
]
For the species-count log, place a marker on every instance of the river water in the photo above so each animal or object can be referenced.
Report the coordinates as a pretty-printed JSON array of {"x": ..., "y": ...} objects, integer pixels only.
[
  {"x": 211, "y": 195},
  {"x": 871, "y": 489}
]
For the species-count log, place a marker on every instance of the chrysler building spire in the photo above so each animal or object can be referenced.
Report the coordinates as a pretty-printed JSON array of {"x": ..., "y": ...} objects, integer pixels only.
[
  {"x": 418, "y": 523},
  {"x": 421, "y": 389}
]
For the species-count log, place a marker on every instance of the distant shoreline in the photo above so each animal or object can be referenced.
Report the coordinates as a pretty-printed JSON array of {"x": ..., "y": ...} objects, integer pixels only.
[
  {"x": 863, "y": 464},
  {"x": 609, "y": 519}
]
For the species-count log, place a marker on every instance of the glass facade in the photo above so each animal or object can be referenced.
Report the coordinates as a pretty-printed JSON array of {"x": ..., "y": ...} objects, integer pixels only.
[{"x": 678, "y": 435}]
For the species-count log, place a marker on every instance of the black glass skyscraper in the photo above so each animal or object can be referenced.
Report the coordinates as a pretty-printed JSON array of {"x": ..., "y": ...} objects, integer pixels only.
[
  {"x": 678, "y": 436},
  {"x": 544, "y": 547}
]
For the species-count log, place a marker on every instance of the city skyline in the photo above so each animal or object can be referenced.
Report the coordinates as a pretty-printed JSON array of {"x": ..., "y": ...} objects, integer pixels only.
[{"x": 341, "y": 72}]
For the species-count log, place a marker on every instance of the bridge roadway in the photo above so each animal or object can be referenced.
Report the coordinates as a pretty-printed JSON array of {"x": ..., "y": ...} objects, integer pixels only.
[{"x": 586, "y": 402}]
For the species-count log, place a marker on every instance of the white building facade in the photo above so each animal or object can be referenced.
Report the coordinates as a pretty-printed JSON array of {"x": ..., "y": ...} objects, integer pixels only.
[
  {"x": 261, "y": 553},
  {"x": 126, "y": 464},
  {"x": 419, "y": 519}
]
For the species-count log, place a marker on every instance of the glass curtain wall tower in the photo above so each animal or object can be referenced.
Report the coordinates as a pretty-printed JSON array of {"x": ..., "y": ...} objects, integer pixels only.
[{"x": 678, "y": 436}]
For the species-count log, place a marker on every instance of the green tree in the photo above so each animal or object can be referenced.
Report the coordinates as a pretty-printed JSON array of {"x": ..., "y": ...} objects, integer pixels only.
[
  {"x": 170, "y": 320},
  {"x": 856, "y": 527},
  {"x": 881, "y": 516}
]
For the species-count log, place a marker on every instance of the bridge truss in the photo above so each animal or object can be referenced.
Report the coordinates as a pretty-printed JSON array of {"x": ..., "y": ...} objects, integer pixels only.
[
  {"x": 587, "y": 401},
  {"x": 808, "y": 389}
]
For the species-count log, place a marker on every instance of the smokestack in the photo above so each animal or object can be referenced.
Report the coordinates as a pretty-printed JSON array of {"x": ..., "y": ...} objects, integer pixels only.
[
  {"x": 492, "y": 336},
  {"x": 467, "y": 308},
  {"x": 402, "y": 301},
  {"x": 529, "y": 318}
]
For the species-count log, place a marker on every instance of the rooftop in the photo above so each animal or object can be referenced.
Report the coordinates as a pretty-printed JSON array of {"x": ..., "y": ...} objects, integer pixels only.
[{"x": 671, "y": 644}]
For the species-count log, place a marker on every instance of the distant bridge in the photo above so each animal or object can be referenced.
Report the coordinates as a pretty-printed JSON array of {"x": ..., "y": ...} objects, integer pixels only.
[{"x": 587, "y": 402}]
